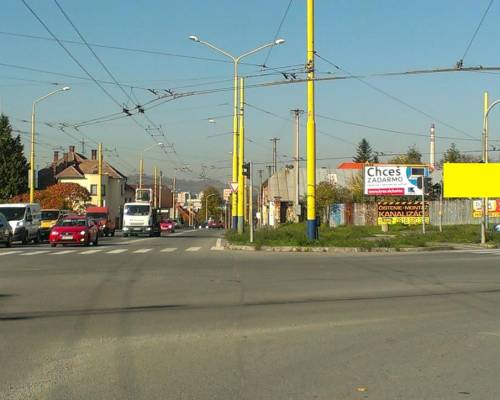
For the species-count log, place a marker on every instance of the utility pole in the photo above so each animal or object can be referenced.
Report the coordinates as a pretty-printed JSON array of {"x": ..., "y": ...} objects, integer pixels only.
[
  {"x": 250, "y": 203},
  {"x": 241, "y": 159},
  {"x": 259, "y": 203},
  {"x": 159, "y": 191},
  {"x": 296, "y": 166},
  {"x": 174, "y": 208},
  {"x": 484, "y": 222},
  {"x": 432, "y": 156},
  {"x": 275, "y": 157},
  {"x": 154, "y": 189},
  {"x": 99, "y": 172},
  {"x": 269, "y": 171},
  {"x": 312, "y": 231}
]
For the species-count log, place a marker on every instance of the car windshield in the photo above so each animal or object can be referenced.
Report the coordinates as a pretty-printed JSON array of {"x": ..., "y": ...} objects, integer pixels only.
[
  {"x": 97, "y": 215},
  {"x": 49, "y": 215},
  {"x": 13, "y": 213},
  {"x": 138, "y": 210},
  {"x": 72, "y": 222}
]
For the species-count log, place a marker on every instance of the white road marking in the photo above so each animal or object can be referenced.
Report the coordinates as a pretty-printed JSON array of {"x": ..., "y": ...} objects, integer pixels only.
[
  {"x": 9, "y": 252},
  {"x": 193, "y": 248},
  {"x": 218, "y": 245},
  {"x": 63, "y": 252},
  {"x": 140, "y": 251},
  {"x": 169, "y": 249},
  {"x": 116, "y": 251},
  {"x": 183, "y": 232},
  {"x": 34, "y": 253},
  {"x": 91, "y": 251}
]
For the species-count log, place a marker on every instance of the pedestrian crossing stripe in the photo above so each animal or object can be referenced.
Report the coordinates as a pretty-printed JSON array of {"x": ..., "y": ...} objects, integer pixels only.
[
  {"x": 116, "y": 251},
  {"x": 63, "y": 252},
  {"x": 141, "y": 251},
  {"x": 193, "y": 248},
  {"x": 34, "y": 253},
  {"x": 9, "y": 252},
  {"x": 169, "y": 249},
  {"x": 91, "y": 251}
]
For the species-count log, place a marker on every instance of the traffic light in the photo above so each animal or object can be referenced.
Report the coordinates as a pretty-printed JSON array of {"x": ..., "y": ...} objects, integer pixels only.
[
  {"x": 436, "y": 189},
  {"x": 424, "y": 182},
  {"x": 246, "y": 170}
]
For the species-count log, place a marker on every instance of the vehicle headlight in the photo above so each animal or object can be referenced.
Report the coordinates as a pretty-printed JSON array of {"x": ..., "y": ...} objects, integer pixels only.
[
  {"x": 125, "y": 228},
  {"x": 148, "y": 228},
  {"x": 83, "y": 233},
  {"x": 104, "y": 225},
  {"x": 20, "y": 223}
]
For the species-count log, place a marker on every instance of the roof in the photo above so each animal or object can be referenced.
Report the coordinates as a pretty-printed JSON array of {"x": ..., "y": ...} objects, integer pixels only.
[
  {"x": 351, "y": 165},
  {"x": 90, "y": 167}
]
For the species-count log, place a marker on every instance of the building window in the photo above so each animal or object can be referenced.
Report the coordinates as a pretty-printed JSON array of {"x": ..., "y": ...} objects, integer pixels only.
[{"x": 93, "y": 190}]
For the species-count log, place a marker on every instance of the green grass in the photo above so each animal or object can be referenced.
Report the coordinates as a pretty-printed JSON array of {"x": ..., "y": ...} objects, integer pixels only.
[{"x": 362, "y": 236}]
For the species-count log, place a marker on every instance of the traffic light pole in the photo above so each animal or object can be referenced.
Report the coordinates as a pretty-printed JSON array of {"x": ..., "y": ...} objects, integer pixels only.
[{"x": 423, "y": 209}]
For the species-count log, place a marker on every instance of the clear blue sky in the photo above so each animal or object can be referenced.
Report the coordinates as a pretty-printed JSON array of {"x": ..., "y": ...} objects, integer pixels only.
[{"x": 362, "y": 37}]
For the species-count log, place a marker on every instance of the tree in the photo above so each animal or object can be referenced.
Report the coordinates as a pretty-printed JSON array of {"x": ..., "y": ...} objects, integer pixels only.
[
  {"x": 453, "y": 155},
  {"x": 364, "y": 153},
  {"x": 62, "y": 196},
  {"x": 13, "y": 164},
  {"x": 212, "y": 198},
  {"x": 412, "y": 156},
  {"x": 327, "y": 194},
  {"x": 356, "y": 188}
]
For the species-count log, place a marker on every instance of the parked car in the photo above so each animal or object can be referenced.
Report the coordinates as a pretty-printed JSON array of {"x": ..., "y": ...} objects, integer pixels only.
[
  {"x": 167, "y": 225},
  {"x": 5, "y": 231},
  {"x": 215, "y": 224},
  {"x": 100, "y": 215},
  {"x": 24, "y": 219},
  {"x": 74, "y": 229},
  {"x": 48, "y": 219}
]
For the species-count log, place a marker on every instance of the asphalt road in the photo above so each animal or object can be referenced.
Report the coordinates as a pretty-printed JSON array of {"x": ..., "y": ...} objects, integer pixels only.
[{"x": 176, "y": 318}]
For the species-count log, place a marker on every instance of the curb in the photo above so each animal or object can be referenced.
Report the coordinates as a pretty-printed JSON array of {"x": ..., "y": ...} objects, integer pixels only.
[{"x": 338, "y": 250}]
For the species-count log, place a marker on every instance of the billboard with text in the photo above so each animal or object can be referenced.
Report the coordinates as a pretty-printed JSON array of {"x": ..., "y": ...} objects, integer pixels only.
[{"x": 393, "y": 180}]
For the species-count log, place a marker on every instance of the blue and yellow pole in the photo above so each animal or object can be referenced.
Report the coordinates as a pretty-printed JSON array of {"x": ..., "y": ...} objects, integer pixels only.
[
  {"x": 312, "y": 232},
  {"x": 241, "y": 159},
  {"x": 234, "y": 197}
]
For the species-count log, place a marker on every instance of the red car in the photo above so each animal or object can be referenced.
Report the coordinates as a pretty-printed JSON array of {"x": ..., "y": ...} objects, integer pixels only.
[
  {"x": 215, "y": 224},
  {"x": 74, "y": 229},
  {"x": 167, "y": 225}
]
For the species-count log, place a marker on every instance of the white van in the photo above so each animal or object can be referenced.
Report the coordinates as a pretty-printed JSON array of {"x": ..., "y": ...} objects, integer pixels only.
[{"x": 24, "y": 218}]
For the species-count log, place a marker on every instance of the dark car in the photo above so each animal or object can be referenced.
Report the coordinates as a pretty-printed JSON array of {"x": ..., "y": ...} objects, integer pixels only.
[
  {"x": 5, "y": 231},
  {"x": 74, "y": 229}
]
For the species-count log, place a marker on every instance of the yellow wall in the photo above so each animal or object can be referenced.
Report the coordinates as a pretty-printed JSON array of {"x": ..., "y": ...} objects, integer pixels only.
[{"x": 113, "y": 199}]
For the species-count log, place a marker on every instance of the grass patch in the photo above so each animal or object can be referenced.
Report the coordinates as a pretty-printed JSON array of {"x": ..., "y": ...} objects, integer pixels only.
[{"x": 362, "y": 236}]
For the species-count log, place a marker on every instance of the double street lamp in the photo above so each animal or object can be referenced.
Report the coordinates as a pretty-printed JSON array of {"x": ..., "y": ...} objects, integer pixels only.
[
  {"x": 237, "y": 164},
  {"x": 32, "y": 158}
]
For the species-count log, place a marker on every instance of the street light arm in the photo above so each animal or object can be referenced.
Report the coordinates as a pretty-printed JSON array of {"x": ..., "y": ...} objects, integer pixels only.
[
  {"x": 218, "y": 50},
  {"x": 49, "y": 94},
  {"x": 256, "y": 50},
  {"x": 490, "y": 107}
]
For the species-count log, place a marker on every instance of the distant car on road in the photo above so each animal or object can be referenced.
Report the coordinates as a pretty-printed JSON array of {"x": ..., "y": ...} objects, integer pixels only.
[
  {"x": 215, "y": 224},
  {"x": 6, "y": 233},
  {"x": 167, "y": 225},
  {"x": 74, "y": 229}
]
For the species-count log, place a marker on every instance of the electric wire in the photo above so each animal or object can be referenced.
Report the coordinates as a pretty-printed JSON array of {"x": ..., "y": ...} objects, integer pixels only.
[{"x": 283, "y": 18}]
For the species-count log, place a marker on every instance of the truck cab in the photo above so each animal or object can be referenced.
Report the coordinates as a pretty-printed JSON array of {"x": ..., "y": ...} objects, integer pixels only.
[
  {"x": 140, "y": 217},
  {"x": 100, "y": 215}
]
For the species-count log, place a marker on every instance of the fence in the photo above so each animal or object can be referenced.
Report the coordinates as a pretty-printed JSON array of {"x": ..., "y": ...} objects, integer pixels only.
[{"x": 455, "y": 212}]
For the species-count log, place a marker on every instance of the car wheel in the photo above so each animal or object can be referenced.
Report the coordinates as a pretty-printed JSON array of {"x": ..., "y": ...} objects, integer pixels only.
[
  {"x": 37, "y": 238},
  {"x": 52, "y": 245},
  {"x": 125, "y": 235},
  {"x": 96, "y": 241},
  {"x": 113, "y": 234},
  {"x": 8, "y": 243},
  {"x": 25, "y": 238},
  {"x": 86, "y": 243}
]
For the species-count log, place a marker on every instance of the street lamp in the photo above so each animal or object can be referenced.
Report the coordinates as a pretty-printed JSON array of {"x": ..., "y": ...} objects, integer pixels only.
[
  {"x": 485, "y": 160},
  {"x": 32, "y": 158},
  {"x": 141, "y": 161},
  {"x": 206, "y": 205},
  {"x": 236, "y": 60}
]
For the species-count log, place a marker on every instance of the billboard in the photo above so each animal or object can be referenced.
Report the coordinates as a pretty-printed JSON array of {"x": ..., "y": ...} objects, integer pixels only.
[
  {"x": 393, "y": 180},
  {"x": 465, "y": 180},
  {"x": 493, "y": 208},
  {"x": 401, "y": 212}
]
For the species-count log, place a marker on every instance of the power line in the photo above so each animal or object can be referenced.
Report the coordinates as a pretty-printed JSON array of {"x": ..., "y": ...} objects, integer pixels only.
[
  {"x": 394, "y": 97},
  {"x": 460, "y": 62},
  {"x": 277, "y": 33}
]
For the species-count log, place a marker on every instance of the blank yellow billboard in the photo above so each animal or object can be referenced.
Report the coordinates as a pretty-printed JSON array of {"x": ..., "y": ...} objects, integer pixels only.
[{"x": 471, "y": 180}]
